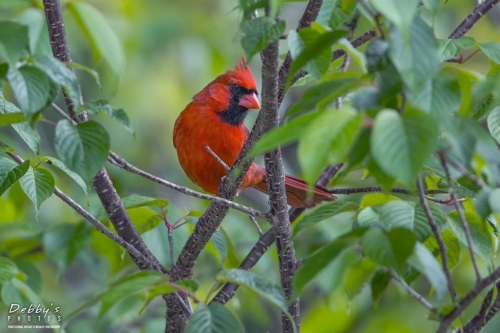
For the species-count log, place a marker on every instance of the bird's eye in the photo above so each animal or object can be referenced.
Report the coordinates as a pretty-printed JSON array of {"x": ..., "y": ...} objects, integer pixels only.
[{"x": 235, "y": 88}]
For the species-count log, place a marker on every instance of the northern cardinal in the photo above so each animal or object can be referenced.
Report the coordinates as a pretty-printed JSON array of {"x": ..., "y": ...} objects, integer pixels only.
[{"x": 214, "y": 118}]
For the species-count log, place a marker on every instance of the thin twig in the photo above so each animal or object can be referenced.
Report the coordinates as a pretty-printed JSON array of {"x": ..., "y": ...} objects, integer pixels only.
[
  {"x": 366, "y": 37},
  {"x": 415, "y": 294},
  {"x": 465, "y": 225},
  {"x": 464, "y": 172},
  {"x": 62, "y": 113},
  {"x": 217, "y": 158},
  {"x": 122, "y": 163},
  {"x": 376, "y": 17},
  {"x": 256, "y": 224},
  {"x": 437, "y": 234},
  {"x": 347, "y": 191}
]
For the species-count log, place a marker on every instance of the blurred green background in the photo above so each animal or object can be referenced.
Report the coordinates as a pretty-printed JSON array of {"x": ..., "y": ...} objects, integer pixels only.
[{"x": 172, "y": 49}]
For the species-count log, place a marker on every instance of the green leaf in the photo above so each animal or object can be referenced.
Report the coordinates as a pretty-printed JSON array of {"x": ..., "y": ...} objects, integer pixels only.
[
  {"x": 368, "y": 217},
  {"x": 11, "y": 172},
  {"x": 128, "y": 286},
  {"x": 452, "y": 248},
  {"x": 102, "y": 107},
  {"x": 325, "y": 92},
  {"x": 357, "y": 276},
  {"x": 8, "y": 270},
  {"x": 325, "y": 12},
  {"x": 31, "y": 275},
  {"x": 283, "y": 135},
  {"x": 376, "y": 199},
  {"x": 440, "y": 97},
  {"x": 360, "y": 148},
  {"x": 396, "y": 214},
  {"x": 144, "y": 219},
  {"x": 38, "y": 184},
  {"x": 103, "y": 40},
  {"x": 188, "y": 284},
  {"x": 376, "y": 55},
  {"x": 232, "y": 260},
  {"x": 4, "y": 69},
  {"x": 82, "y": 148},
  {"x": 379, "y": 283},
  {"x": 54, "y": 161},
  {"x": 494, "y": 123},
  {"x": 309, "y": 45},
  {"x": 34, "y": 20},
  {"x": 64, "y": 241},
  {"x": 401, "y": 13},
  {"x": 321, "y": 258},
  {"x": 214, "y": 318},
  {"x": 482, "y": 236},
  {"x": 421, "y": 224},
  {"x": 135, "y": 201},
  {"x": 11, "y": 118},
  {"x": 219, "y": 242},
  {"x": 13, "y": 40},
  {"x": 93, "y": 73},
  {"x": 402, "y": 144},
  {"x": 260, "y": 32},
  {"x": 331, "y": 135},
  {"x": 417, "y": 61},
  {"x": 60, "y": 74},
  {"x": 32, "y": 89},
  {"x": 424, "y": 262},
  {"x": 431, "y": 5},
  {"x": 390, "y": 249},
  {"x": 259, "y": 284},
  {"x": 358, "y": 56},
  {"x": 449, "y": 48},
  {"x": 494, "y": 201},
  {"x": 6, "y": 148},
  {"x": 25, "y": 131},
  {"x": 322, "y": 213},
  {"x": 491, "y": 50},
  {"x": 154, "y": 292},
  {"x": 344, "y": 9}
]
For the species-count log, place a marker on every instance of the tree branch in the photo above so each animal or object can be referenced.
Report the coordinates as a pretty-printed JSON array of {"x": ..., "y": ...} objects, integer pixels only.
[
  {"x": 102, "y": 184},
  {"x": 485, "y": 314},
  {"x": 467, "y": 300},
  {"x": 465, "y": 225},
  {"x": 275, "y": 178},
  {"x": 59, "y": 43},
  {"x": 473, "y": 17},
  {"x": 437, "y": 234},
  {"x": 414, "y": 294},
  {"x": 104, "y": 188}
]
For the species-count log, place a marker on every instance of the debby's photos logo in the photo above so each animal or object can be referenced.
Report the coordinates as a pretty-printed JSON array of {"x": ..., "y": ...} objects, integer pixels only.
[{"x": 34, "y": 316}]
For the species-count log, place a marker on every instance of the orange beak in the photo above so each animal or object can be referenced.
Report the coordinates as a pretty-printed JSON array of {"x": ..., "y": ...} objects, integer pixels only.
[{"x": 250, "y": 101}]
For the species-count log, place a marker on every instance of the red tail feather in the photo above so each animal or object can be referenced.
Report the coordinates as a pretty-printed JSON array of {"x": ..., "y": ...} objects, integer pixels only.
[{"x": 297, "y": 192}]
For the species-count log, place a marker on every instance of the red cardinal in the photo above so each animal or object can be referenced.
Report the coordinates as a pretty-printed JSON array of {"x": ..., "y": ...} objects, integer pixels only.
[{"x": 215, "y": 119}]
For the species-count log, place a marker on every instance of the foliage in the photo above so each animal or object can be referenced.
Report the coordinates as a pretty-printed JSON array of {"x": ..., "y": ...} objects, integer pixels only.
[{"x": 407, "y": 110}]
